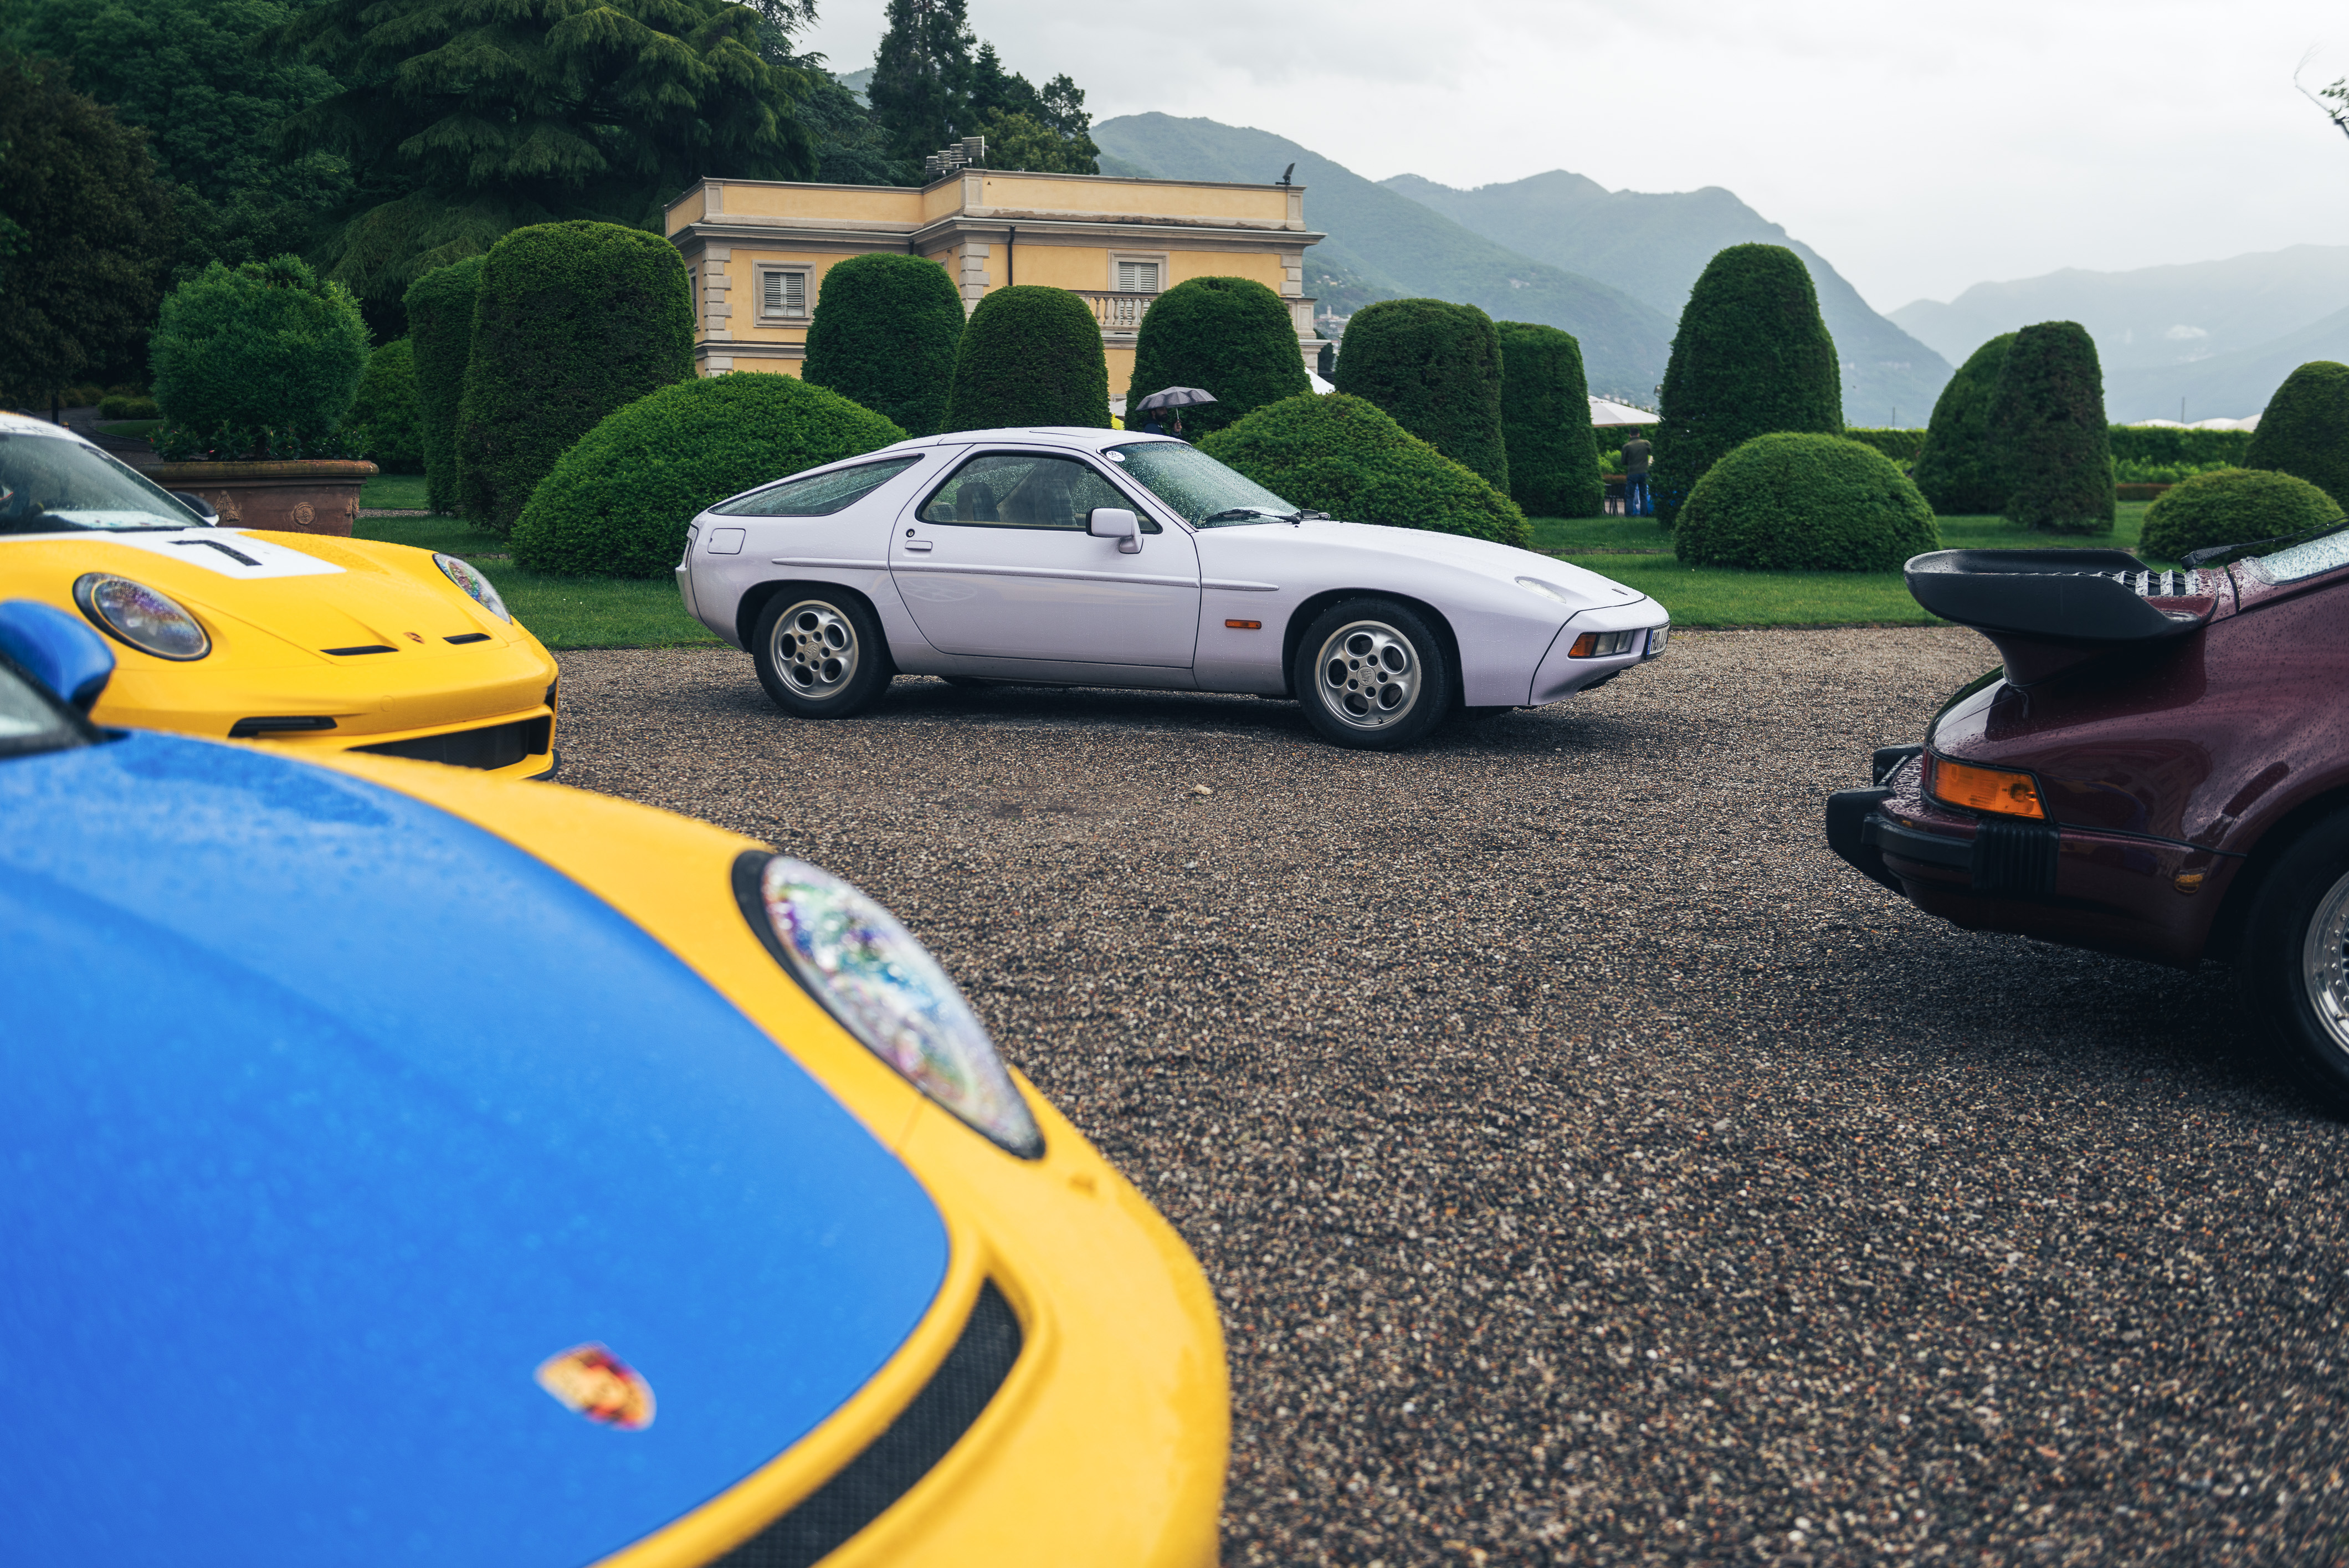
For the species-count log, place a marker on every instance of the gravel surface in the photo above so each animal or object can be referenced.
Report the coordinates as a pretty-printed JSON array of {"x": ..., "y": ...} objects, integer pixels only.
[{"x": 1592, "y": 1168}]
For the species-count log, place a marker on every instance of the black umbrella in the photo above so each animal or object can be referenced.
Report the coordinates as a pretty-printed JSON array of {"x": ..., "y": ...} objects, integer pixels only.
[{"x": 1174, "y": 397}]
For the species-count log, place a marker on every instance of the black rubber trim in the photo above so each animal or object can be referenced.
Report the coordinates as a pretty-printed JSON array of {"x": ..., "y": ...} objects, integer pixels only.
[
  {"x": 2014, "y": 858},
  {"x": 909, "y": 1449},
  {"x": 1890, "y": 837},
  {"x": 2056, "y": 594},
  {"x": 1849, "y": 814},
  {"x": 1889, "y": 760},
  {"x": 291, "y": 724},
  {"x": 469, "y": 637},
  {"x": 491, "y": 747},
  {"x": 368, "y": 648}
]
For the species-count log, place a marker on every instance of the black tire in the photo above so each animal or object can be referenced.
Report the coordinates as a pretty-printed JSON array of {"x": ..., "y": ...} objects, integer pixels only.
[
  {"x": 819, "y": 653},
  {"x": 2294, "y": 965},
  {"x": 1372, "y": 674}
]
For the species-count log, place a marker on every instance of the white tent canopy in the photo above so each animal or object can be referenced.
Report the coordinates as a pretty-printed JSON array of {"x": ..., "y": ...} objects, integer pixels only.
[
  {"x": 1605, "y": 411},
  {"x": 2251, "y": 422}
]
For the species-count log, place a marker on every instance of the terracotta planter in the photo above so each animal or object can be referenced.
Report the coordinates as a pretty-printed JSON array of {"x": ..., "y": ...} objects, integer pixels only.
[{"x": 309, "y": 497}]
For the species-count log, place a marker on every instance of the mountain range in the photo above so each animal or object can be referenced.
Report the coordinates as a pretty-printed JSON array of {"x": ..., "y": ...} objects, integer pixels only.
[{"x": 1611, "y": 267}]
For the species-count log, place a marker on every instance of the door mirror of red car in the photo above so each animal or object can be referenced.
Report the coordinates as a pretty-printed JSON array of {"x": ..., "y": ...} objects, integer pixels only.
[{"x": 1116, "y": 522}]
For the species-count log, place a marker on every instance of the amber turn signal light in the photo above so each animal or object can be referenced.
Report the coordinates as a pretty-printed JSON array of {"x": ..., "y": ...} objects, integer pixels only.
[
  {"x": 2000, "y": 790},
  {"x": 1603, "y": 644},
  {"x": 1244, "y": 625}
]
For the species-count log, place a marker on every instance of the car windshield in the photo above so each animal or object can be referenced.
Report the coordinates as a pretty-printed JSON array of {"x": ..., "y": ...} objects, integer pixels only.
[
  {"x": 1205, "y": 492},
  {"x": 53, "y": 484},
  {"x": 29, "y": 722},
  {"x": 2305, "y": 560}
]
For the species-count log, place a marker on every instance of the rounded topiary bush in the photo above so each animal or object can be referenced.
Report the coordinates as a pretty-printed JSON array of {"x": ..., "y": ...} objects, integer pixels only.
[
  {"x": 573, "y": 321},
  {"x": 441, "y": 327},
  {"x": 1751, "y": 355},
  {"x": 885, "y": 334},
  {"x": 2304, "y": 429},
  {"x": 1545, "y": 419},
  {"x": 384, "y": 425},
  {"x": 618, "y": 502},
  {"x": 1342, "y": 455},
  {"x": 1962, "y": 469},
  {"x": 1228, "y": 336},
  {"x": 1030, "y": 356},
  {"x": 2232, "y": 506},
  {"x": 1796, "y": 502},
  {"x": 244, "y": 354},
  {"x": 1435, "y": 368},
  {"x": 2047, "y": 418}
]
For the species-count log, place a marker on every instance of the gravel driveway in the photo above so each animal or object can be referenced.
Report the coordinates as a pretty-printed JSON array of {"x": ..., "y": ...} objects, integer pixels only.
[{"x": 1592, "y": 1169}]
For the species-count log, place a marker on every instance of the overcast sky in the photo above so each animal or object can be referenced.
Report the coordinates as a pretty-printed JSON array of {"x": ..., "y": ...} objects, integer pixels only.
[{"x": 1919, "y": 147}]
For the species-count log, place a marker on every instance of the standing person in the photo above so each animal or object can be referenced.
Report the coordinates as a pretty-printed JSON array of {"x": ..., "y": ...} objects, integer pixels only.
[
  {"x": 1637, "y": 502},
  {"x": 1176, "y": 431}
]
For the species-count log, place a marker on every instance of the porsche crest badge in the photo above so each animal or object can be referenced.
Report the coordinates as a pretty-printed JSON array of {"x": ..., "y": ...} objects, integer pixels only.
[{"x": 597, "y": 1384}]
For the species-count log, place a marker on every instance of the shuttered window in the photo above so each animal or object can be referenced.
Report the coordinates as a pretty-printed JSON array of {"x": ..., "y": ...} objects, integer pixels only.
[
  {"x": 782, "y": 293},
  {"x": 1137, "y": 277}
]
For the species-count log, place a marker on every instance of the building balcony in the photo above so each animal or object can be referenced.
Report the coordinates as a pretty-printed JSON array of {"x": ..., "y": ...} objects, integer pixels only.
[{"x": 1119, "y": 313}]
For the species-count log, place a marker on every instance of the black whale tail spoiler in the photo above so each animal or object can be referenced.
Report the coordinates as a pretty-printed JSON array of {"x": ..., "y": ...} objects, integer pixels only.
[{"x": 2049, "y": 610}]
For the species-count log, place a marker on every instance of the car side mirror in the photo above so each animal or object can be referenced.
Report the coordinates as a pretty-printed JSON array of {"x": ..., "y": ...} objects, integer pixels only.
[
  {"x": 197, "y": 505},
  {"x": 1116, "y": 522},
  {"x": 57, "y": 650}
]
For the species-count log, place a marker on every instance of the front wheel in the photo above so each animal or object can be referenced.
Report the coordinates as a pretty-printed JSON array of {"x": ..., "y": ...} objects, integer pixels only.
[
  {"x": 2294, "y": 961},
  {"x": 819, "y": 655},
  {"x": 1372, "y": 674}
]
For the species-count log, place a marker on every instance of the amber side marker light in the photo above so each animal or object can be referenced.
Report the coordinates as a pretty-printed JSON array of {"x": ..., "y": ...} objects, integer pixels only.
[
  {"x": 1244, "y": 625},
  {"x": 1999, "y": 790}
]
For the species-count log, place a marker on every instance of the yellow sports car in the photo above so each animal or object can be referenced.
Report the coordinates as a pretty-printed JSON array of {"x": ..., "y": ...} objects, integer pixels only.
[
  {"x": 408, "y": 1167},
  {"x": 311, "y": 643}
]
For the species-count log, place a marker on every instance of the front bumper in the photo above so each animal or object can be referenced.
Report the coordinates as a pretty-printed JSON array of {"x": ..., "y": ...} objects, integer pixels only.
[{"x": 1561, "y": 674}]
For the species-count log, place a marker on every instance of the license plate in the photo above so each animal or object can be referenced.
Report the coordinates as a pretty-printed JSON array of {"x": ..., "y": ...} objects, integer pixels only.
[{"x": 1656, "y": 637}]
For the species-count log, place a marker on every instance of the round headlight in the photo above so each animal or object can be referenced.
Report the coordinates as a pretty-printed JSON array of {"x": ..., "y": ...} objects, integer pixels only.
[
  {"x": 884, "y": 988},
  {"x": 149, "y": 621},
  {"x": 468, "y": 576}
]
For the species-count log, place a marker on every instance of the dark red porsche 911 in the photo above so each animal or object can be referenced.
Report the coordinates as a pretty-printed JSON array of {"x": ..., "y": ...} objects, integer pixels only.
[{"x": 2160, "y": 769}]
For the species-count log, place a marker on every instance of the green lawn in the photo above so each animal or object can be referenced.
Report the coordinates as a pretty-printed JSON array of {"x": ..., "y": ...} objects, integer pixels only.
[
  {"x": 129, "y": 427},
  {"x": 564, "y": 612},
  {"x": 402, "y": 491},
  {"x": 1713, "y": 596}
]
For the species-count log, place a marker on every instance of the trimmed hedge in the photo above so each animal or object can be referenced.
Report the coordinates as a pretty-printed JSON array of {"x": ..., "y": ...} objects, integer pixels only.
[
  {"x": 2201, "y": 449},
  {"x": 885, "y": 334},
  {"x": 385, "y": 427},
  {"x": 1899, "y": 445},
  {"x": 2304, "y": 430},
  {"x": 1751, "y": 355},
  {"x": 2232, "y": 506},
  {"x": 439, "y": 307},
  {"x": 617, "y": 503},
  {"x": 1343, "y": 455},
  {"x": 1546, "y": 420},
  {"x": 2048, "y": 421},
  {"x": 1436, "y": 368},
  {"x": 241, "y": 355},
  {"x": 1031, "y": 355},
  {"x": 128, "y": 406},
  {"x": 574, "y": 320},
  {"x": 1228, "y": 336},
  {"x": 1795, "y": 501},
  {"x": 1962, "y": 469}
]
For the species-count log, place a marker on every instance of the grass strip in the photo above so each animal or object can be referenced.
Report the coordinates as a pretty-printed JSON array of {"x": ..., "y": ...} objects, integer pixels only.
[
  {"x": 564, "y": 612},
  {"x": 401, "y": 491}
]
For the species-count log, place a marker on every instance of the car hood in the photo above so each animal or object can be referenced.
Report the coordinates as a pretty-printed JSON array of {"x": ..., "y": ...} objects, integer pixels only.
[
  {"x": 333, "y": 1118},
  {"x": 1584, "y": 589}
]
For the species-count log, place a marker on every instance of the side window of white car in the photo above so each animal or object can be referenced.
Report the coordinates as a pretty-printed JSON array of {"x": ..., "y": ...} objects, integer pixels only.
[
  {"x": 818, "y": 495},
  {"x": 1024, "y": 490}
]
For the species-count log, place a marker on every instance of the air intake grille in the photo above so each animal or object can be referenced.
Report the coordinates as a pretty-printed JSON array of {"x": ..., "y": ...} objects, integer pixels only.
[
  {"x": 2015, "y": 858},
  {"x": 917, "y": 1440},
  {"x": 497, "y": 746},
  {"x": 2155, "y": 584}
]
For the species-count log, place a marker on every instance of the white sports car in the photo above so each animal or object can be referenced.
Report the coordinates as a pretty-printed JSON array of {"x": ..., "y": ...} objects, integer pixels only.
[{"x": 1092, "y": 558}]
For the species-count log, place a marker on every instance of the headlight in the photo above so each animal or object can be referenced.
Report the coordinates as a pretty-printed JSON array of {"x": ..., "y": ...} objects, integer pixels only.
[
  {"x": 884, "y": 988},
  {"x": 147, "y": 620},
  {"x": 1543, "y": 589},
  {"x": 468, "y": 576}
]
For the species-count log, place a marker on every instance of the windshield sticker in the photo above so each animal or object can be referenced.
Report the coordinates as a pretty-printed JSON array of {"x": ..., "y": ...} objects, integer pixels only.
[{"x": 227, "y": 552}]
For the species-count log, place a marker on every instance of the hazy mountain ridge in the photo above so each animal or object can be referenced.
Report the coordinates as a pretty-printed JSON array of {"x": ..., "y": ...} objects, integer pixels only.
[
  {"x": 1381, "y": 243},
  {"x": 1653, "y": 244}
]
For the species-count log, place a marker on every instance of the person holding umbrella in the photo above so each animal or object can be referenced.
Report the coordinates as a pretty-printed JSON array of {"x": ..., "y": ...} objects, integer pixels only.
[{"x": 1167, "y": 402}]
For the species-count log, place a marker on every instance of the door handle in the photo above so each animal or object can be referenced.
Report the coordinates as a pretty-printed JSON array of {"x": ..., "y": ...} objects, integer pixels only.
[{"x": 917, "y": 546}]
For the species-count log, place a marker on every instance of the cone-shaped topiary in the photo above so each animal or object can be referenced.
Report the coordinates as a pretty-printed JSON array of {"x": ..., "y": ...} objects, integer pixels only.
[
  {"x": 1030, "y": 356},
  {"x": 885, "y": 334},
  {"x": 1546, "y": 418},
  {"x": 2048, "y": 418},
  {"x": 617, "y": 503},
  {"x": 2304, "y": 430},
  {"x": 384, "y": 425},
  {"x": 1228, "y": 336},
  {"x": 261, "y": 354},
  {"x": 1343, "y": 455},
  {"x": 1751, "y": 355},
  {"x": 1963, "y": 471},
  {"x": 1436, "y": 368},
  {"x": 1795, "y": 501},
  {"x": 441, "y": 323},
  {"x": 2232, "y": 506},
  {"x": 574, "y": 320}
]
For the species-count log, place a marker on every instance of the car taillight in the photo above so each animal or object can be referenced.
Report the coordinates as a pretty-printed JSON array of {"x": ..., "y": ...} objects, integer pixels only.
[
  {"x": 1603, "y": 644},
  {"x": 2000, "y": 790}
]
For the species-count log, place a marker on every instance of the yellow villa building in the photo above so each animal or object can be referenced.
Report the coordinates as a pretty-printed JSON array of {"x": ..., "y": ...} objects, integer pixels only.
[{"x": 757, "y": 249}]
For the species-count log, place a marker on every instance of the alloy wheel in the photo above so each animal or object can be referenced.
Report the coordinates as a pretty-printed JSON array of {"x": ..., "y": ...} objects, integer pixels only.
[
  {"x": 815, "y": 650},
  {"x": 1369, "y": 676},
  {"x": 2325, "y": 963}
]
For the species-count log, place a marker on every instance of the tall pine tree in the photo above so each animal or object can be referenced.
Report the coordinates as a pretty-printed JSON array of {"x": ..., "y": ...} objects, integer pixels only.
[{"x": 922, "y": 76}]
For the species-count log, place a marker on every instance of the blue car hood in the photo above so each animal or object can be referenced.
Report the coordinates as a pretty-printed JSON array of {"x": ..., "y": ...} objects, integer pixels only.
[{"x": 330, "y": 1118}]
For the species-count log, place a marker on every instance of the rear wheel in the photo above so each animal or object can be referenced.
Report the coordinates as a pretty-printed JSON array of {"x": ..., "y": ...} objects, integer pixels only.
[
  {"x": 820, "y": 656},
  {"x": 2294, "y": 961},
  {"x": 1372, "y": 674}
]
